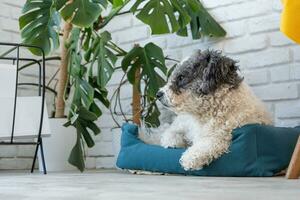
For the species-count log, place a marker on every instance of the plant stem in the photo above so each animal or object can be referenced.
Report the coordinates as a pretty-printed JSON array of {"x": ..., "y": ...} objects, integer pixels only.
[
  {"x": 120, "y": 51},
  {"x": 113, "y": 13},
  {"x": 63, "y": 73}
]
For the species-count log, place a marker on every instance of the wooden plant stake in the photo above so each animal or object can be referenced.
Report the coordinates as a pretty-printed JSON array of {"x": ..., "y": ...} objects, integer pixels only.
[
  {"x": 136, "y": 99},
  {"x": 63, "y": 73}
]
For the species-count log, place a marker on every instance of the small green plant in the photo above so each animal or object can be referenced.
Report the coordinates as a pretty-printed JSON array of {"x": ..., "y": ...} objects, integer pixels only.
[{"x": 88, "y": 54}]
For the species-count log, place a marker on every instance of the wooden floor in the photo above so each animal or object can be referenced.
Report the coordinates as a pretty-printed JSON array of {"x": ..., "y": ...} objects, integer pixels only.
[{"x": 114, "y": 185}]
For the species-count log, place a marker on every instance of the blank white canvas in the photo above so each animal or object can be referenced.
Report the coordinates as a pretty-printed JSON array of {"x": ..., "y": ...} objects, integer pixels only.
[
  {"x": 7, "y": 80},
  {"x": 27, "y": 121},
  {"x": 28, "y": 109}
]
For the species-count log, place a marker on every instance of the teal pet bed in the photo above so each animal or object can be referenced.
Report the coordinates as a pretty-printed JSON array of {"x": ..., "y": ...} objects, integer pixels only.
[{"x": 256, "y": 150}]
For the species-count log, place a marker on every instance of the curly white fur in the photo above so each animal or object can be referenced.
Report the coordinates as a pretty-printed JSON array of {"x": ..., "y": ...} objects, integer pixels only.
[{"x": 207, "y": 131}]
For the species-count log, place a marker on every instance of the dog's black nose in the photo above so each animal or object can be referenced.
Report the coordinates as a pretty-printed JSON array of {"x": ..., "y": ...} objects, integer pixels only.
[{"x": 159, "y": 94}]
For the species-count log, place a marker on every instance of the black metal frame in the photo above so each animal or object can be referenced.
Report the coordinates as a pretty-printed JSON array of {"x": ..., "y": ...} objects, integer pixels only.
[{"x": 41, "y": 92}]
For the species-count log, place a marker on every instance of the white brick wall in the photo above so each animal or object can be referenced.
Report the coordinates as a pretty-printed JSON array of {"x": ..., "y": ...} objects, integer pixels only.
[{"x": 269, "y": 61}]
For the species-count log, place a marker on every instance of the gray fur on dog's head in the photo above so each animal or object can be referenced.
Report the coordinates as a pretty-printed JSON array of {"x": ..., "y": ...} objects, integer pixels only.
[
  {"x": 204, "y": 72},
  {"x": 201, "y": 75}
]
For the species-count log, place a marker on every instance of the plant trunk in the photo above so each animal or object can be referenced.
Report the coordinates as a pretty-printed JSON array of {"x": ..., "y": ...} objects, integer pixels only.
[{"x": 63, "y": 73}]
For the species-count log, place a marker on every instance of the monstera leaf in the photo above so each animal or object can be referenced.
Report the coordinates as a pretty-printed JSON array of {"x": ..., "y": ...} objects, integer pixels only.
[
  {"x": 39, "y": 25},
  {"x": 152, "y": 115},
  {"x": 83, "y": 111},
  {"x": 117, "y": 3},
  {"x": 101, "y": 54},
  {"x": 83, "y": 123},
  {"x": 168, "y": 16},
  {"x": 117, "y": 6},
  {"x": 160, "y": 14},
  {"x": 76, "y": 156},
  {"x": 202, "y": 23},
  {"x": 100, "y": 93},
  {"x": 148, "y": 59},
  {"x": 81, "y": 12}
]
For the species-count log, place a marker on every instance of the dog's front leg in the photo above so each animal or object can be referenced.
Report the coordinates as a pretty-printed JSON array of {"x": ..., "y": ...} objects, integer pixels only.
[
  {"x": 174, "y": 135},
  {"x": 172, "y": 138},
  {"x": 202, "y": 153}
]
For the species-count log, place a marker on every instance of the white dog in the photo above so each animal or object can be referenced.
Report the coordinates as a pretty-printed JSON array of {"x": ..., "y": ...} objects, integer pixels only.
[{"x": 210, "y": 100}]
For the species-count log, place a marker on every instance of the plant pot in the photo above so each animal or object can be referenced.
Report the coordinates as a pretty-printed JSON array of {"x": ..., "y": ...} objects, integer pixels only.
[
  {"x": 58, "y": 146},
  {"x": 116, "y": 141}
]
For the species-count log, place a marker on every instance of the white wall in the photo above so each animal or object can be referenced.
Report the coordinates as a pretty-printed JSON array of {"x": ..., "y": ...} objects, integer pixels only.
[{"x": 269, "y": 61}]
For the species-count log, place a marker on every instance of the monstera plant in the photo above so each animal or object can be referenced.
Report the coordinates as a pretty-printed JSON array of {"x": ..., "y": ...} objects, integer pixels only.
[{"x": 88, "y": 54}]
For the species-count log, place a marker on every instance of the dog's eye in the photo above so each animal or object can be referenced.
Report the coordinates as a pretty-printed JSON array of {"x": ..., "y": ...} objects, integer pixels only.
[
  {"x": 181, "y": 80},
  {"x": 180, "y": 77}
]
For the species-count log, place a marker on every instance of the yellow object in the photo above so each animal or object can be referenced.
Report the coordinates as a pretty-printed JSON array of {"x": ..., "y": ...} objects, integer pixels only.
[{"x": 290, "y": 19}]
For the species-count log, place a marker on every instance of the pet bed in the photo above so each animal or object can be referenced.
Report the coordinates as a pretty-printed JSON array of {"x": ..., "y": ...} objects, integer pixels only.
[{"x": 256, "y": 150}]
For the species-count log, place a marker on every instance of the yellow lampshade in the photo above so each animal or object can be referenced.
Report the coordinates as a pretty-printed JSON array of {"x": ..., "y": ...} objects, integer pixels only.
[{"x": 290, "y": 19}]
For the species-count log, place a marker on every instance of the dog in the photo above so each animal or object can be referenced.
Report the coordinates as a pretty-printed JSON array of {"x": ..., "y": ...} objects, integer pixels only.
[{"x": 210, "y": 99}]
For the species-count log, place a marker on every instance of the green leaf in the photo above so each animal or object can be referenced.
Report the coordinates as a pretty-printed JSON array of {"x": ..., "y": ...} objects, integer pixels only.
[
  {"x": 95, "y": 109},
  {"x": 117, "y": 3},
  {"x": 99, "y": 92},
  {"x": 202, "y": 23},
  {"x": 74, "y": 118},
  {"x": 86, "y": 115},
  {"x": 161, "y": 14},
  {"x": 113, "y": 12},
  {"x": 183, "y": 18},
  {"x": 75, "y": 68},
  {"x": 152, "y": 116},
  {"x": 92, "y": 126},
  {"x": 39, "y": 25},
  {"x": 67, "y": 124},
  {"x": 103, "y": 56},
  {"x": 86, "y": 92},
  {"x": 170, "y": 70},
  {"x": 82, "y": 13},
  {"x": 168, "y": 16},
  {"x": 148, "y": 59},
  {"x": 83, "y": 111},
  {"x": 86, "y": 135},
  {"x": 76, "y": 157},
  {"x": 87, "y": 39},
  {"x": 102, "y": 98}
]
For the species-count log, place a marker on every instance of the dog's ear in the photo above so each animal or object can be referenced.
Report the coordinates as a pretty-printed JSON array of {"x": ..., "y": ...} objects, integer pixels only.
[
  {"x": 219, "y": 70},
  {"x": 229, "y": 70}
]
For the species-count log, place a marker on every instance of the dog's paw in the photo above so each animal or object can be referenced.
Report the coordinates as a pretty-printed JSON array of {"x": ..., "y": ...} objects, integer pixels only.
[
  {"x": 173, "y": 140},
  {"x": 190, "y": 163},
  {"x": 168, "y": 142}
]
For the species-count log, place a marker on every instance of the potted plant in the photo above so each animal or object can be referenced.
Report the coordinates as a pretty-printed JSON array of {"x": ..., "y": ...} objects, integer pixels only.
[{"x": 88, "y": 55}]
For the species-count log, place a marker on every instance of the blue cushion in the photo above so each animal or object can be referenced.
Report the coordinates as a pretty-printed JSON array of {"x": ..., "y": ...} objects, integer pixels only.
[{"x": 256, "y": 150}]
